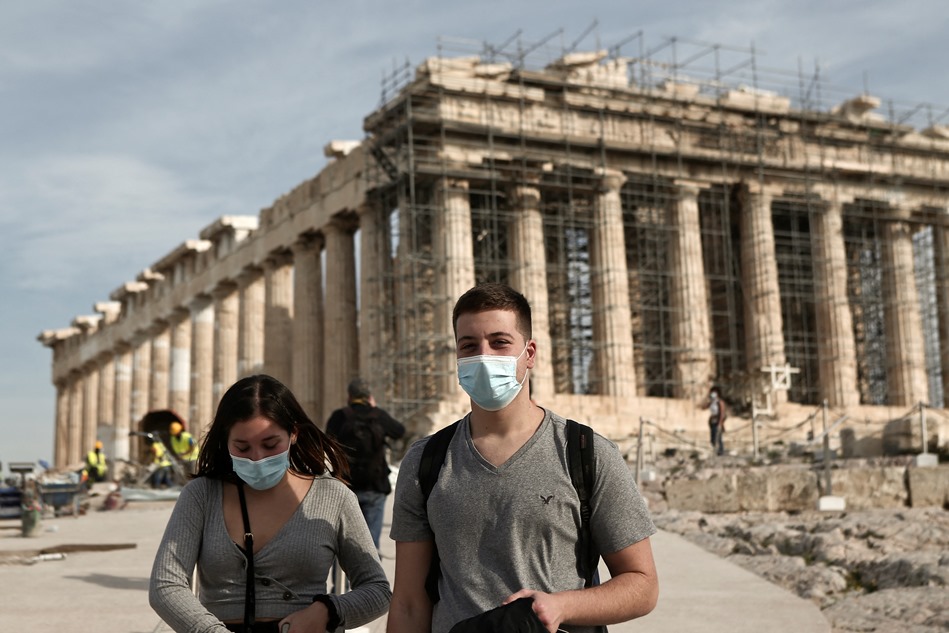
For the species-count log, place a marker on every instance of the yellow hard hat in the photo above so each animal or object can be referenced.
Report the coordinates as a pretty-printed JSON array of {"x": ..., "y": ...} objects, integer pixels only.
[
  {"x": 98, "y": 444},
  {"x": 175, "y": 428}
]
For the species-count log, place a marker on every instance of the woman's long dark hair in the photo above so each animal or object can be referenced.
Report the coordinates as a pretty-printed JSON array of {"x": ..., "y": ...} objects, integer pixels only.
[{"x": 313, "y": 453}]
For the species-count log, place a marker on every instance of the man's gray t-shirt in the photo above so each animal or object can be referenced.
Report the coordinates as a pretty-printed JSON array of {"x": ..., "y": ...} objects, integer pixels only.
[{"x": 501, "y": 529}]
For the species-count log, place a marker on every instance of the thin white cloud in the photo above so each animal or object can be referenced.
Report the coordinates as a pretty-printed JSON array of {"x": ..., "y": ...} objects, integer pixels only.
[{"x": 77, "y": 215}]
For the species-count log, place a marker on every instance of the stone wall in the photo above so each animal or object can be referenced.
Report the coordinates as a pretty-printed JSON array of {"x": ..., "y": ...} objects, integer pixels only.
[{"x": 798, "y": 488}]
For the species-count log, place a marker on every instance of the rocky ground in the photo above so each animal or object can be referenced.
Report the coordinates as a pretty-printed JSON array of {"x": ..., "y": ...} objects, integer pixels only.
[{"x": 870, "y": 570}]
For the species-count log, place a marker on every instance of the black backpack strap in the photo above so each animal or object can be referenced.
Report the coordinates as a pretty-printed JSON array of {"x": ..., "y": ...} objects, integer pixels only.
[
  {"x": 582, "y": 474},
  {"x": 430, "y": 464}
]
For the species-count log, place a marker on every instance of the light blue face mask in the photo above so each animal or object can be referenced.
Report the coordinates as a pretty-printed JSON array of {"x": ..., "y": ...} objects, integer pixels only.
[
  {"x": 491, "y": 381},
  {"x": 263, "y": 474}
]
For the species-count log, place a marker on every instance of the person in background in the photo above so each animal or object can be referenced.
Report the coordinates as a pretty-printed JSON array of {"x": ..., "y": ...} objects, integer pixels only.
[
  {"x": 263, "y": 456},
  {"x": 716, "y": 419},
  {"x": 362, "y": 429},
  {"x": 184, "y": 446},
  {"x": 161, "y": 476},
  {"x": 96, "y": 466}
]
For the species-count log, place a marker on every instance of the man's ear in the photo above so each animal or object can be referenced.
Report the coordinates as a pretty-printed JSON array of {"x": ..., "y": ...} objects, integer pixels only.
[{"x": 531, "y": 353}]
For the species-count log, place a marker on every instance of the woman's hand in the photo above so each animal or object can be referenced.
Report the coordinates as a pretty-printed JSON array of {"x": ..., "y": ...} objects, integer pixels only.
[{"x": 313, "y": 619}]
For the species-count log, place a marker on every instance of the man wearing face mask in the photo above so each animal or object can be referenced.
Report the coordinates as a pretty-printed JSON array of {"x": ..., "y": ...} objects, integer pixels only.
[{"x": 504, "y": 511}]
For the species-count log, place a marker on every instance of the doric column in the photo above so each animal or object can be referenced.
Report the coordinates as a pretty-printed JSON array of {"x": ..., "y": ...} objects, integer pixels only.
[
  {"x": 90, "y": 405},
  {"x": 906, "y": 359},
  {"x": 764, "y": 334},
  {"x": 74, "y": 447},
  {"x": 61, "y": 439},
  {"x": 123, "y": 404},
  {"x": 837, "y": 352},
  {"x": 689, "y": 307},
  {"x": 373, "y": 261},
  {"x": 202, "y": 364},
  {"x": 161, "y": 363},
  {"x": 612, "y": 322},
  {"x": 308, "y": 324},
  {"x": 340, "y": 349},
  {"x": 941, "y": 254},
  {"x": 179, "y": 378},
  {"x": 529, "y": 277},
  {"x": 278, "y": 318},
  {"x": 141, "y": 378},
  {"x": 454, "y": 272},
  {"x": 226, "y": 329},
  {"x": 106, "y": 397},
  {"x": 250, "y": 343}
]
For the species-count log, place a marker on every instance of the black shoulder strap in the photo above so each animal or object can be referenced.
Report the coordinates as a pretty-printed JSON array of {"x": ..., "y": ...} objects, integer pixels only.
[
  {"x": 583, "y": 474},
  {"x": 430, "y": 464},
  {"x": 250, "y": 606},
  {"x": 433, "y": 456}
]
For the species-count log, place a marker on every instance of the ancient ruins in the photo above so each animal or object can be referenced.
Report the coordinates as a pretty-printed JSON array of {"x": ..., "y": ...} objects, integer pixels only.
[{"x": 678, "y": 217}]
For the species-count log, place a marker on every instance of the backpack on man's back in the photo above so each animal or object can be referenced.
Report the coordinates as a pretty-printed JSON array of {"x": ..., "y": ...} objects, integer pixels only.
[
  {"x": 580, "y": 461},
  {"x": 364, "y": 439}
]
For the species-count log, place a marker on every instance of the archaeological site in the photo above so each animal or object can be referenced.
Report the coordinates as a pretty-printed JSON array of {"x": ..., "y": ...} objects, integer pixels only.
[{"x": 679, "y": 216}]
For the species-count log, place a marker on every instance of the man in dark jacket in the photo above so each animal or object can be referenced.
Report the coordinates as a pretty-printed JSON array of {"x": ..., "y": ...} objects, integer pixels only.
[{"x": 363, "y": 428}]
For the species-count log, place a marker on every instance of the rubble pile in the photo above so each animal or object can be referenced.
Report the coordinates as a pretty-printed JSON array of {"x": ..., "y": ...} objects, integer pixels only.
[{"x": 881, "y": 570}]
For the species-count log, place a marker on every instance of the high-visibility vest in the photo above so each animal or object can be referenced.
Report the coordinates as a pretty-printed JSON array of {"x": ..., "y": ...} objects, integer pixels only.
[
  {"x": 96, "y": 461},
  {"x": 160, "y": 457},
  {"x": 184, "y": 446}
]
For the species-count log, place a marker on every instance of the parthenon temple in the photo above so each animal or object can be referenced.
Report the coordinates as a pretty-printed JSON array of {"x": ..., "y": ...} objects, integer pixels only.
[{"x": 678, "y": 217}]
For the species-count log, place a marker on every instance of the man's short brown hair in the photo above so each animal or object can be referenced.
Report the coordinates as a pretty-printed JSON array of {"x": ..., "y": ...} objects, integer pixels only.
[{"x": 494, "y": 296}]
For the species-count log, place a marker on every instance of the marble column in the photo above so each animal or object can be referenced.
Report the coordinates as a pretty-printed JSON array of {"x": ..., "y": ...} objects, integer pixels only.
[
  {"x": 764, "y": 333},
  {"x": 454, "y": 272},
  {"x": 201, "y": 410},
  {"x": 340, "y": 347},
  {"x": 278, "y": 317},
  {"x": 76, "y": 390},
  {"x": 226, "y": 330},
  {"x": 106, "y": 399},
  {"x": 941, "y": 264},
  {"x": 123, "y": 402},
  {"x": 61, "y": 441},
  {"x": 179, "y": 378},
  {"x": 906, "y": 360},
  {"x": 529, "y": 277},
  {"x": 308, "y": 324},
  {"x": 689, "y": 305},
  {"x": 161, "y": 362},
  {"x": 374, "y": 336},
  {"x": 836, "y": 352},
  {"x": 90, "y": 405},
  {"x": 612, "y": 321},
  {"x": 141, "y": 379},
  {"x": 250, "y": 343}
]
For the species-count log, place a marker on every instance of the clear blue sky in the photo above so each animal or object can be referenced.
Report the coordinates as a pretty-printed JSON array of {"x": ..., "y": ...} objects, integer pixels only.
[{"x": 126, "y": 127}]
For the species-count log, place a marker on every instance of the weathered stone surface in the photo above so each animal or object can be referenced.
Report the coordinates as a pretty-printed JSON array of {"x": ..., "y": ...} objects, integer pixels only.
[
  {"x": 870, "y": 570},
  {"x": 867, "y": 488},
  {"x": 928, "y": 486}
]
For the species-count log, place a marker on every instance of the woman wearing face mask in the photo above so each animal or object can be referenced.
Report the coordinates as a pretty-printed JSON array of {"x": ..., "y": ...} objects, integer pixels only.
[{"x": 266, "y": 466}]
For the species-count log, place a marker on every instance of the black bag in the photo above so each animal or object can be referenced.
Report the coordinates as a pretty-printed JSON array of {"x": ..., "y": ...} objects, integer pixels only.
[
  {"x": 516, "y": 617},
  {"x": 364, "y": 439}
]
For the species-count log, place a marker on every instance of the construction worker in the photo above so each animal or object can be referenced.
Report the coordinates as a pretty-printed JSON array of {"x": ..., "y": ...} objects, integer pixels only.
[
  {"x": 96, "y": 466},
  {"x": 161, "y": 477},
  {"x": 184, "y": 446}
]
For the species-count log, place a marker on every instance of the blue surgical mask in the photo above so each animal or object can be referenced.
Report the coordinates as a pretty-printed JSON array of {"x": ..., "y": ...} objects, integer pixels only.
[
  {"x": 263, "y": 474},
  {"x": 491, "y": 381}
]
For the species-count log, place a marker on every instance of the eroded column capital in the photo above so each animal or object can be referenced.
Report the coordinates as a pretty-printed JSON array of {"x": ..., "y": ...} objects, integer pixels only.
[{"x": 611, "y": 179}]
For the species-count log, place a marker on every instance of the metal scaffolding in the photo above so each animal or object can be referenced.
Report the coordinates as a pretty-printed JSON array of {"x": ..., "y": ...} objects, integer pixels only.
[{"x": 420, "y": 139}]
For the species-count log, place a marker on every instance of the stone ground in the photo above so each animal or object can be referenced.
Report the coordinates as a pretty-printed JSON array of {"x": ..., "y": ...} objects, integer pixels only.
[{"x": 868, "y": 570}]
